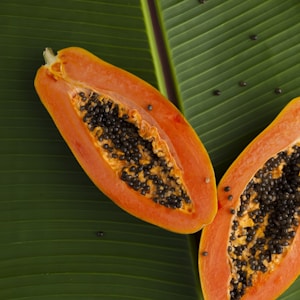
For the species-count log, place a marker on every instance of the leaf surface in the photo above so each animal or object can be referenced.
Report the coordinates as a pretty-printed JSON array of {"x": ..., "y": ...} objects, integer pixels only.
[{"x": 61, "y": 238}]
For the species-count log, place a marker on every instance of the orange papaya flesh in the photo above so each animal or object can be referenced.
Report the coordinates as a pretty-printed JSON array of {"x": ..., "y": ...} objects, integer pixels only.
[
  {"x": 252, "y": 248},
  {"x": 131, "y": 141}
]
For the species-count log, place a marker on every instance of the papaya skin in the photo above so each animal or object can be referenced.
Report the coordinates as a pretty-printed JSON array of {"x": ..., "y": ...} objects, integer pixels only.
[
  {"x": 214, "y": 269},
  {"x": 74, "y": 68}
]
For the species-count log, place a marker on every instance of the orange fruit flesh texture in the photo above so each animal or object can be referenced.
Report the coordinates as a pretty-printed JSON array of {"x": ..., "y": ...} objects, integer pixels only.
[
  {"x": 215, "y": 268},
  {"x": 75, "y": 70}
]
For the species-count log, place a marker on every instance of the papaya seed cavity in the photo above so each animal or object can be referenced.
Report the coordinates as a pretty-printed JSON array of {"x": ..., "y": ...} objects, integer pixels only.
[{"x": 133, "y": 149}]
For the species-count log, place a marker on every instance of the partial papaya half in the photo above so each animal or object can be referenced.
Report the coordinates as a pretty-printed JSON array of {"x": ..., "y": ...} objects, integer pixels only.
[
  {"x": 131, "y": 141},
  {"x": 252, "y": 248}
]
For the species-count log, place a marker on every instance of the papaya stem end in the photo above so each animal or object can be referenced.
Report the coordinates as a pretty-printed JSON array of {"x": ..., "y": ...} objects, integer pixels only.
[{"x": 49, "y": 56}]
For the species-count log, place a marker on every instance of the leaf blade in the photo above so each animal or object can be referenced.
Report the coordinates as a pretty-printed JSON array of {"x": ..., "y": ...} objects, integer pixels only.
[{"x": 50, "y": 211}]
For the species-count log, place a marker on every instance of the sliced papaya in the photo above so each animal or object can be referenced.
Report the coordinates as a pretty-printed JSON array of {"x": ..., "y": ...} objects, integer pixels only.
[
  {"x": 132, "y": 142},
  {"x": 252, "y": 248}
]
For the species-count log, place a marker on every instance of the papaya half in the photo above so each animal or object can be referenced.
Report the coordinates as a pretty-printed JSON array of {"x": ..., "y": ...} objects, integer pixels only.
[
  {"x": 252, "y": 248},
  {"x": 132, "y": 142}
]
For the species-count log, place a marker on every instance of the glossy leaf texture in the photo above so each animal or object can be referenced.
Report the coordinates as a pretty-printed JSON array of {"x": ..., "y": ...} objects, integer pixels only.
[
  {"x": 60, "y": 238},
  {"x": 235, "y": 66}
]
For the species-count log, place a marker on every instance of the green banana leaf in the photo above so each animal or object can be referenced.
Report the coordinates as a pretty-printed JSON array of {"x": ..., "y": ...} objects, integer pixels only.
[{"x": 60, "y": 237}]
